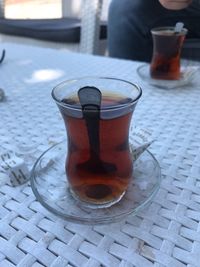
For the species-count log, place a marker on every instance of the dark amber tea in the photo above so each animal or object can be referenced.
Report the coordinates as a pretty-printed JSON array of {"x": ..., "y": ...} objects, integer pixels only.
[
  {"x": 104, "y": 178},
  {"x": 167, "y": 45},
  {"x": 99, "y": 164}
]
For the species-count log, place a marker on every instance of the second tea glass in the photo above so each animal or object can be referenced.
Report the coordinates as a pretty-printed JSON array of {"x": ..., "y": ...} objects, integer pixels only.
[{"x": 167, "y": 45}]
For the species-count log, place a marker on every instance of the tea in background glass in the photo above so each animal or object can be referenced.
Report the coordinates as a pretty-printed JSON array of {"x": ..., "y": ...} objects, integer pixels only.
[
  {"x": 99, "y": 163},
  {"x": 167, "y": 45}
]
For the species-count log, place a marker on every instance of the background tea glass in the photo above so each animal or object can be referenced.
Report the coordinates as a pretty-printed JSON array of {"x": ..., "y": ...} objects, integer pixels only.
[
  {"x": 98, "y": 163},
  {"x": 167, "y": 45}
]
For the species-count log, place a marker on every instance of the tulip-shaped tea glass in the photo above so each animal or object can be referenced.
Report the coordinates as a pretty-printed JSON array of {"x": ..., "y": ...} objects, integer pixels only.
[
  {"x": 97, "y": 113},
  {"x": 167, "y": 46}
]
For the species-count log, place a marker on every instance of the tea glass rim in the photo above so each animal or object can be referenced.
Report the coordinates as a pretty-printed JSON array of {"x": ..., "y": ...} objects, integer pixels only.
[
  {"x": 60, "y": 103},
  {"x": 157, "y": 30}
]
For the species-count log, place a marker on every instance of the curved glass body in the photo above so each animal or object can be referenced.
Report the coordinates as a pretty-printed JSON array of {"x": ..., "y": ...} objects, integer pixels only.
[
  {"x": 98, "y": 163},
  {"x": 167, "y": 45}
]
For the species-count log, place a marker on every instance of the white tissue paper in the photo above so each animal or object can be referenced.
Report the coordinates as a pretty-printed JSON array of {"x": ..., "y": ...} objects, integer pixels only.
[
  {"x": 14, "y": 168},
  {"x": 140, "y": 140}
]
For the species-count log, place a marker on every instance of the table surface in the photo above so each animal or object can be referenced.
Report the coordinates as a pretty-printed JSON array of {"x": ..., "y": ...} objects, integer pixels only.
[{"x": 166, "y": 233}]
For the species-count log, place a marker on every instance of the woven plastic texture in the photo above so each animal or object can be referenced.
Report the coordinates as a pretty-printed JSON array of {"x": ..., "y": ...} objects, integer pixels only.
[
  {"x": 90, "y": 26},
  {"x": 2, "y": 11},
  {"x": 166, "y": 233}
]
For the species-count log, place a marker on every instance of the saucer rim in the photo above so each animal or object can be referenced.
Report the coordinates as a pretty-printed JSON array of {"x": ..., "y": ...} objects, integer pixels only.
[
  {"x": 166, "y": 84},
  {"x": 99, "y": 220}
]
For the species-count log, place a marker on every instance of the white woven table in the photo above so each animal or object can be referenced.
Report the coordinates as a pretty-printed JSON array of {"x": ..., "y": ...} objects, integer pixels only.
[{"x": 166, "y": 233}]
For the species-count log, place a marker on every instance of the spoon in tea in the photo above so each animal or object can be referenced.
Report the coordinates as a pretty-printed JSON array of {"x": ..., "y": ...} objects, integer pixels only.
[
  {"x": 90, "y": 100},
  {"x": 178, "y": 27}
]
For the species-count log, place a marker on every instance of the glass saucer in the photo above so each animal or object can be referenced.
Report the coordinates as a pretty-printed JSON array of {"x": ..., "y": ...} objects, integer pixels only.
[
  {"x": 49, "y": 184},
  {"x": 187, "y": 76}
]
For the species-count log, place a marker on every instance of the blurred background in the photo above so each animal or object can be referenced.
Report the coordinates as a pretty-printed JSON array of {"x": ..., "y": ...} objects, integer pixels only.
[
  {"x": 23, "y": 9},
  {"x": 78, "y": 25}
]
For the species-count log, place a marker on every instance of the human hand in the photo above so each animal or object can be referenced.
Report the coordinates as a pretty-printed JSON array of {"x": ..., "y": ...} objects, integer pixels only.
[{"x": 175, "y": 4}]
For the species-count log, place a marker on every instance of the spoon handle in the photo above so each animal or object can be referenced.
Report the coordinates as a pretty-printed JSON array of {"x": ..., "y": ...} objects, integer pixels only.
[
  {"x": 92, "y": 124},
  {"x": 178, "y": 27},
  {"x": 90, "y": 100}
]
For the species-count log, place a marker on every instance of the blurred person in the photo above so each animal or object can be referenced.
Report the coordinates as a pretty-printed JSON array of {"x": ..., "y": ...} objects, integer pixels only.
[{"x": 130, "y": 23}]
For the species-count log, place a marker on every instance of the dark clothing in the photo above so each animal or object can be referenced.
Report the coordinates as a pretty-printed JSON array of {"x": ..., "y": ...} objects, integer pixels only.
[{"x": 130, "y": 22}]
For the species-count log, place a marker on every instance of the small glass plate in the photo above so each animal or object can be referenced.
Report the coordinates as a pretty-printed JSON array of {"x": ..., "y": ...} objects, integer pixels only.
[
  {"x": 187, "y": 76},
  {"x": 49, "y": 184}
]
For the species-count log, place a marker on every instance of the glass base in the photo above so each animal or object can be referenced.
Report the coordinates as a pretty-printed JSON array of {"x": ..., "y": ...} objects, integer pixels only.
[
  {"x": 96, "y": 205},
  {"x": 50, "y": 186}
]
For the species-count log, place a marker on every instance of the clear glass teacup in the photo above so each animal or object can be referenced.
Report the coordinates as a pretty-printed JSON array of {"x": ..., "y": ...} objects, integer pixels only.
[
  {"x": 97, "y": 113},
  {"x": 167, "y": 46}
]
